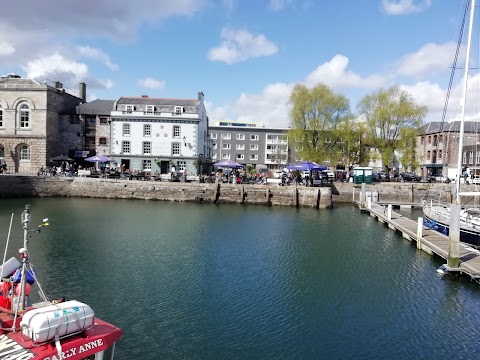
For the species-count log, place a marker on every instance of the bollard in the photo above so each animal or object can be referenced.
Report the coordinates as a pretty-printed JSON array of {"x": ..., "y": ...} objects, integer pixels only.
[
  {"x": 389, "y": 212},
  {"x": 319, "y": 194},
  {"x": 353, "y": 194},
  {"x": 369, "y": 203},
  {"x": 295, "y": 196},
  {"x": 363, "y": 195},
  {"x": 419, "y": 232}
]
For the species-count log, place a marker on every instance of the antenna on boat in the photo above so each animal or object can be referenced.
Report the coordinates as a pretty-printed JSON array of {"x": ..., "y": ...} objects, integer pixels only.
[{"x": 24, "y": 253}]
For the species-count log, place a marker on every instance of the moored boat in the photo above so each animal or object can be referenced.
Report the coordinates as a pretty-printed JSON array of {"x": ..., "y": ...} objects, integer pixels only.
[
  {"x": 49, "y": 329},
  {"x": 438, "y": 218},
  {"x": 461, "y": 224}
]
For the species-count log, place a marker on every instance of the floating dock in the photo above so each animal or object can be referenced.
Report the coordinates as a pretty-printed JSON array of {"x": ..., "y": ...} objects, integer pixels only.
[{"x": 430, "y": 241}]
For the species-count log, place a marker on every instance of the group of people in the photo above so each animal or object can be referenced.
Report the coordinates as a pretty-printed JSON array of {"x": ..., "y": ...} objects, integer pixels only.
[
  {"x": 65, "y": 169},
  {"x": 232, "y": 177}
]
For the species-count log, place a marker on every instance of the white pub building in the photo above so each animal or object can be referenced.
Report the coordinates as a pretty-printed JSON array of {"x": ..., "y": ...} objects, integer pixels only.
[{"x": 160, "y": 135}]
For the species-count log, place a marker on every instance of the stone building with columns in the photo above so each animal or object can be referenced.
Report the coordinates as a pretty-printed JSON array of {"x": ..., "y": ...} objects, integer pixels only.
[{"x": 37, "y": 122}]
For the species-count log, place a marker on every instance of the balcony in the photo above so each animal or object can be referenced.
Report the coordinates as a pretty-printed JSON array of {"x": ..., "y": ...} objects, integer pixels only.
[{"x": 275, "y": 141}]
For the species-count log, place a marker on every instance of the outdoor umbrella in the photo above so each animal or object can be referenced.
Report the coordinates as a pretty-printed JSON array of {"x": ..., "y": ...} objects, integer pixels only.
[
  {"x": 228, "y": 164},
  {"x": 61, "y": 158},
  {"x": 306, "y": 166},
  {"x": 98, "y": 158}
]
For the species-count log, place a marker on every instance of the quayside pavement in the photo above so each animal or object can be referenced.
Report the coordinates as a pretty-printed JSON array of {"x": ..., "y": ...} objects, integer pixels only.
[{"x": 428, "y": 240}]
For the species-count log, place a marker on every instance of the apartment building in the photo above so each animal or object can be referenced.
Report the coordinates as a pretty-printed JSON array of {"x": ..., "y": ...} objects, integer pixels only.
[
  {"x": 157, "y": 134},
  {"x": 437, "y": 147},
  {"x": 257, "y": 146}
]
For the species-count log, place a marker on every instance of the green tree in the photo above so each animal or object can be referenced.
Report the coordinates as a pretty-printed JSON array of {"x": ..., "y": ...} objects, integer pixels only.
[
  {"x": 314, "y": 119},
  {"x": 407, "y": 146},
  {"x": 390, "y": 115},
  {"x": 352, "y": 133}
]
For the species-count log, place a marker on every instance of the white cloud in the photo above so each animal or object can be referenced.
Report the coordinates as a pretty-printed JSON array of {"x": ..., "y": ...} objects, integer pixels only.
[
  {"x": 278, "y": 5},
  {"x": 272, "y": 106},
  {"x": 6, "y": 48},
  {"x": 97, "y": 54},
  {"x": 428, "y": 59},
  {"x": 55, "y": 64},
  {"x": 151, "y": 83},
  {"x": 57, "y": 67},
  {"x": 217, "y": 113},
  {"x": 401, "y": 7},
  {"x": 428, "y": 94},
  {"x": 91, "y": 97},
  {"x": 93, "y": 17},
  {"x": 105, "y": 84},
  {"x": 49, "y": 31},
  {"x": 241, "y": 45},
  {"x": 335, "y": 74},
  {"x": 433, "y": 96}
]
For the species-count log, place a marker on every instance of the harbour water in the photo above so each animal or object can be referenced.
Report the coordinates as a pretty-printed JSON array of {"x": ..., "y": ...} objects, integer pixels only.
[{"x": 199, "y": 281}]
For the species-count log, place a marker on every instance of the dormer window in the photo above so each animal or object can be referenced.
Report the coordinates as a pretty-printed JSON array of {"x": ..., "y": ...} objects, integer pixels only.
[
  {"x": 178, "y": 110},
  {"x": 150, "y": 109},
  {"x": 129, "y": 109}
]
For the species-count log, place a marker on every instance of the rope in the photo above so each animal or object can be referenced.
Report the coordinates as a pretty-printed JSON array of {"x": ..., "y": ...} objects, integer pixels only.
[
  {"x": 42, "y": 294},
  {"x": 6, "y": 246}
]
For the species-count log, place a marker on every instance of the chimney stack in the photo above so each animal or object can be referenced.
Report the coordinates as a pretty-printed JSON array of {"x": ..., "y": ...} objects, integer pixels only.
[
  {"x": 82, "y": 91},
  {"x": 200, "y": 96},
  {"x": 145, "y": 96},
  {"x": 58, "y": 85}
]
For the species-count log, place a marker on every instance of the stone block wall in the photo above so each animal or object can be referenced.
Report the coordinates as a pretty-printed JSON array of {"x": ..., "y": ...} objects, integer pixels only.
[
  {"x": 274, "y": 195},
  {"x": 394, "y": 192},
  {"x": 26, "y": 186}
]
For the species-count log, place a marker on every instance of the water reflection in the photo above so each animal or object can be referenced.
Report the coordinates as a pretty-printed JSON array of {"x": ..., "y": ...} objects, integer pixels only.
[{"x": 202, "y": 281}]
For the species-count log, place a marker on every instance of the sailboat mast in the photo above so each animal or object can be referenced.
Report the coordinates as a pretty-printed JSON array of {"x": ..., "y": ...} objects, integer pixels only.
[
  {"x": 464, "y": 101},
  {"x": 455, "y": 207}
]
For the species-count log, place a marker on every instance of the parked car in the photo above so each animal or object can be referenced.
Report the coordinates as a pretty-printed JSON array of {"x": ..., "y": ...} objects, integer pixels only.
[
  {"x": 329, "y": 175},
  {"x": 410, "y": 176},
  {"x": 476, "y": 180},
  {"x": 438, "y": 178},
  {"x": 277, "y": 174},
  {"x": 376, "y": 177}
]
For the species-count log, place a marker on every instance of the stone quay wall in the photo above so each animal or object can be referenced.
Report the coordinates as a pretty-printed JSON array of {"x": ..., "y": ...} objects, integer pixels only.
[
  {"x": 26, "y": 186},
  {"x": 318, "y": 197},
  {"x": 396, "y": 192}
]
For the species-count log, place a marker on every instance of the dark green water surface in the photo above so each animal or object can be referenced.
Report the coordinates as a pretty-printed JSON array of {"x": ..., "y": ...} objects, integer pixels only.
[{"x": 193, "y": 281}]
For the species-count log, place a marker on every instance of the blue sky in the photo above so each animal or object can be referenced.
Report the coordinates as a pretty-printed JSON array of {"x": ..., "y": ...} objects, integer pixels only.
[{"x": 245, "y": 55}]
